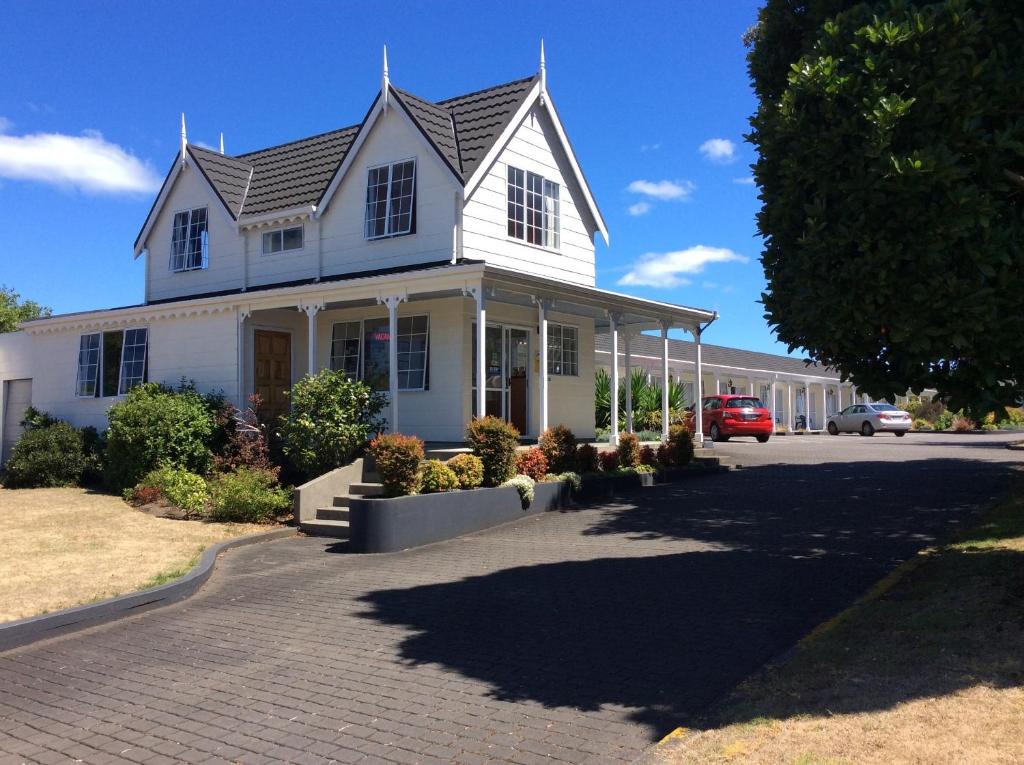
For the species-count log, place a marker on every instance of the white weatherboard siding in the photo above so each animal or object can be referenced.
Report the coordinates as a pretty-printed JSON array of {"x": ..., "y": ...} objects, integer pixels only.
[
  {"x": 199, "y": 348},
  {"x": 345, "y": 248},
  {"x": 485, "y": 217},
  {"x": 15, "y": 365},
  {"x": 225, "y": 251}
]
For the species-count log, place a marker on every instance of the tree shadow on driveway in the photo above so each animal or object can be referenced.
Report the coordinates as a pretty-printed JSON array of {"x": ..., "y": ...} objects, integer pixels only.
[{"x": 664, "y": 633}]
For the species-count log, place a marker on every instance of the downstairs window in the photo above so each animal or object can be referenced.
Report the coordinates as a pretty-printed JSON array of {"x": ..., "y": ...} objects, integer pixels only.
[{"x": 111, "y": 363}]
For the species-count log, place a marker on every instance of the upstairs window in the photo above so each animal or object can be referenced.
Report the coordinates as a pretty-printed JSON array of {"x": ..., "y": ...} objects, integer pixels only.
[
  {"x": 533, "y": 208},
  {"x": 189, "y": 240},
  {"x": 390, "y": 199},
  {"x": 282, "y": 240},
  {"x": 111, "y": 363}
]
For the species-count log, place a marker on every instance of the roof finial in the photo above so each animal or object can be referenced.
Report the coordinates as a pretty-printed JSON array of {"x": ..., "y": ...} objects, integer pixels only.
[
  {"x": 543, "y": 73},
  {"x": 222, "y": 142},
  {"x": 385, "y": 82},
  {"x": 184, "y": 138}
]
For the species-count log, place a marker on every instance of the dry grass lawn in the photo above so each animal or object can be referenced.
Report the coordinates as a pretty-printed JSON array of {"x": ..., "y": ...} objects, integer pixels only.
[
  {"x": 66, "y": 547},
  {"x": 931, "y": 672}
]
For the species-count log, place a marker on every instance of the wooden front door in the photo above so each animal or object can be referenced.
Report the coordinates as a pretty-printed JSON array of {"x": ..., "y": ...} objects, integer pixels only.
[{"x": 272, "y": 372}]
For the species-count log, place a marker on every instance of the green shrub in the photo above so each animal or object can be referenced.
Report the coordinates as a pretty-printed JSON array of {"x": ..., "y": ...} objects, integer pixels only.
[
  {"x": 435, "y": 476},
  {"x": 573, "y": 479},
  {"x": 398, "y": 460},
  {"x": 51, "y": 455},
  {"x": 468, "y": 469},
  {"x": 944, "y": 421},
  {"x": 524, "y": 485},
  {"x": 559, "y": 446},
  {"x": 36, "y": 418},
  {"x": 609, "y": 461},
  {"x": 533, "y": 463},
  {"x": 680, "y": 444},
  {"x": 247, "y": 496},
  {"x": 641, "y": 469},
  {"x": 495, "y": 442},
  {"x": 1015, "y": 416},
  {"x": 182, "y": 488},
  {"x": 920, "y": 424},
  {"x": 94, "y": 446},
  {"x": 331, "y": 418},
  {"x": 156, "y": 426},
  {"x": 629, "y": 450},
  {"x": 587, "y": 459}
]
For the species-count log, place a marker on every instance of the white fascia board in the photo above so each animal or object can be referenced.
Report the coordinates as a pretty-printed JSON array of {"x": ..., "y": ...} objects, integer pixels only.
[
  {"x": 772, "y": 373},
  {"x": 360, "y": 288},
  {"x": 491, "y": 157},
  {"x": 154, "y": 212},
  {"x": 425, "y": 142}
]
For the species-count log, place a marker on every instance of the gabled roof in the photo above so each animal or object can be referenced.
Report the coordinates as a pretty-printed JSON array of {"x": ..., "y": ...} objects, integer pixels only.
[{"x": 462, "y": 130}]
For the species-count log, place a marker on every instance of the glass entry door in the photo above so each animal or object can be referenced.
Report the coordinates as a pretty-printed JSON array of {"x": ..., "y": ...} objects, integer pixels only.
[{"x": 507, "y": 357}]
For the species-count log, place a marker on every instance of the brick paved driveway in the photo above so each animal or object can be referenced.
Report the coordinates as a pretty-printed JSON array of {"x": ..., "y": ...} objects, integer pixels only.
[{"x": 578, "y": 636}]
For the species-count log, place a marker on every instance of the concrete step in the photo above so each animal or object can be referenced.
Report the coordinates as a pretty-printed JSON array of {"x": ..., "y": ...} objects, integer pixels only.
[
  {"x": 332, "y": 513},
  {"x": 371, "y": 476},
  {"x": 366, "y": 489},
  {"x": 326, "y": 528}
]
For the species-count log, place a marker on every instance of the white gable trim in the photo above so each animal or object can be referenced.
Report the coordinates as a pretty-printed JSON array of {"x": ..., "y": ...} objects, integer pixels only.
[
  {"x": 492, "y": 156},
  {"x": 165, "y": 192},
  {"x": 371, "y": 119}
]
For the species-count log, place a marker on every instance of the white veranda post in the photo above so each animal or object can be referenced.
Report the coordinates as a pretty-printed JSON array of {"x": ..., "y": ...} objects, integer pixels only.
[
  {"x": 613, "y": 329},
  {"x": 481, "y": 350},
  {"x": 628, "y": 369},
  {"x": 243, "y": 314},
  {"x": 311, "y": 310},
  {"x": 772, "y": 394},
  {"x": 664, "y": 380},
  {"x": 807, "y": 406},
  {"x": 698, "y": 390},
  {"x": 392, "y": 301},
  {"x": 542, "y": 318},
  {"x": 789, "y": 406}
]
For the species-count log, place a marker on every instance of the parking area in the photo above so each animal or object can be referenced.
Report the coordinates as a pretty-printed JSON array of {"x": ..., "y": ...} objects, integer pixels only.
[{"x": 578, "y": 636}]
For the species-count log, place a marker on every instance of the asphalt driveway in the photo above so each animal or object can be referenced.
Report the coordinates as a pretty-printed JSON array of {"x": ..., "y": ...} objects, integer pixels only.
[{"x": 579, "y": 636}]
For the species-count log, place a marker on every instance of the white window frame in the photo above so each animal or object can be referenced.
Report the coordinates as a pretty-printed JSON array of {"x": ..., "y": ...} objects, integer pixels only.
[
  {"x": 550, "y": 209},
  {"x": 281, "y": 230},
  {"x": 98, "y": 371},
  {"x": 388, "y": 234},
  {"x": 204, "y": 242},
  {"x": 361, "y": 361},
  {"x": 576, "y": 351},
  {"x": 359, "y": 351}
]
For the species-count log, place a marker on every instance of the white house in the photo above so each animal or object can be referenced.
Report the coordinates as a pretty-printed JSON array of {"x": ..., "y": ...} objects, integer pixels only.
[{"x": 378, "y": 249}]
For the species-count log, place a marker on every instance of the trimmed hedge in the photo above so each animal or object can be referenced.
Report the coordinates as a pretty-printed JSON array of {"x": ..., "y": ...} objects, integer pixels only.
[
  {"x": 559, "y": 446},
  {"x": 398, "y": 460},
  {"x": 469, "y": 469},
  {"x": 495, "y": 442},
  {"x": 51, "y": 455}
]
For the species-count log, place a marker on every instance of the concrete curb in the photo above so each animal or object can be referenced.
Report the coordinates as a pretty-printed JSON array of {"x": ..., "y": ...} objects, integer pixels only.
[{"x": 25, "y": 631}]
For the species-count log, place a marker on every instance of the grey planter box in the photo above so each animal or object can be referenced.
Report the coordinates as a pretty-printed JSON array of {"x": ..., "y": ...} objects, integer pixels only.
[
  {"x": 388, "y": 525},
  {"x": 602, "y": 487}
]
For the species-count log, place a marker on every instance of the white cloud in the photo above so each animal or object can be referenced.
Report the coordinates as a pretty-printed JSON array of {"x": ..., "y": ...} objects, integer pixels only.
[
  {"x": 663, "y": 269},
  {"x": 650, "y": 147},
  {"x": 663, "y": 190},
  {"x": 720, "y": 150},
  {"x": 87, "y": 162},
  {"x": 640, "y": 208},
  {"x": 747, "y": 180},
  {"x": 5, "y": 124}
]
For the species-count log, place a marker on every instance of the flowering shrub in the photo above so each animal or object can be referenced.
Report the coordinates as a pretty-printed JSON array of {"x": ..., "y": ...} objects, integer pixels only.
[
  {"x": 609, "y": 461},
  {"x": 524, "y": 485},
  {"x": 398, "y": 460},
  {"x": 587, "y": 459},
  {"x": 533, "y": 463},
  {"x": 495, "y": 442},
  {"x": 559, "y": 446},
  {"x": 435, "y": 476},
  {"x": 648, "y": 456},
  {"x": 629, "y": 450},
  {"x": 468, "y": 469},
  {"x": 247, "y": 495}
]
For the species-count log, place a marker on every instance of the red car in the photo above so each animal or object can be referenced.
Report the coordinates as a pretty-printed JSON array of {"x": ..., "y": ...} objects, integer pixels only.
[{"x": 725, "y": 416}]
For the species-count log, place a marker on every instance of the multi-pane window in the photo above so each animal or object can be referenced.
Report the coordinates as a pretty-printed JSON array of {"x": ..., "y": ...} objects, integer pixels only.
[
  {"x": 189, "y": 240},
  {"x": 111, "y": 363},
  {"x": 88, "y": 365},
  {"x": 368, "y": 360},
  {"x": 282, "y": 240},
  {"x": 390, "y": 199},
  {"x": 533, "y": 208},
  {"x": 563, "y": 350},
  {"x": 345, "y": 348}
]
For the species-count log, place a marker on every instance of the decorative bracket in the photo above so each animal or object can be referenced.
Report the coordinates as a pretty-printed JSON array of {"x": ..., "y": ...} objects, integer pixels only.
[{"x": 312, "y": 309}]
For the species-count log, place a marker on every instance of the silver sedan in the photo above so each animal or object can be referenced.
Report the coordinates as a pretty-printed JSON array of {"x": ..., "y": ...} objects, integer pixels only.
[{"x": 868, "y": 419}]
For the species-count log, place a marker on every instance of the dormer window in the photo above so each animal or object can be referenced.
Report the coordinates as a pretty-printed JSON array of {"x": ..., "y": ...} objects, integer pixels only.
[
  {"x": 390, "y": 199},
  {"x": 533, "y": 208},
  {"x": 189, "y": 240},
  {"x": 282, "y": 240}
]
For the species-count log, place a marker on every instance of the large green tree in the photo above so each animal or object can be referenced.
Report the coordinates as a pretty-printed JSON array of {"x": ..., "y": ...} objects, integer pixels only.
[
  {"x": 891, "y": 166},
  {"x": 13, "y": 310}
]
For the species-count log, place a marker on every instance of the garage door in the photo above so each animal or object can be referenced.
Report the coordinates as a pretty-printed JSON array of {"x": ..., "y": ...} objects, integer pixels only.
[{"x": 17, "y": 398}]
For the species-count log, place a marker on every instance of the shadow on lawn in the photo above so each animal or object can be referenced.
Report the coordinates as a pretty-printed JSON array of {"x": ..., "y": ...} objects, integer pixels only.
[{"x": 772, "y": 552}]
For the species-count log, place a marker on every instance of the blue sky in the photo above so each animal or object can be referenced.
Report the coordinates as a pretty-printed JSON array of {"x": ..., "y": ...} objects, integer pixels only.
[{"x": 641, "y": 89}]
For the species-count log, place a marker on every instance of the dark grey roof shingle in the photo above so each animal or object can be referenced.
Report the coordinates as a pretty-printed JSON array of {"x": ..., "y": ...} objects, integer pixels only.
[
  {"x": 296, "y": 174},
  {"x": 719, "y": 355}
]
